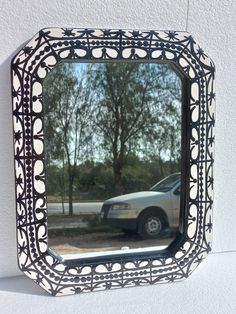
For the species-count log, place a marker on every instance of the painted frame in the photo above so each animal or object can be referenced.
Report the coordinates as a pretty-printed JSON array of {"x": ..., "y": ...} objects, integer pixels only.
[{"x": 29, "y": 68}]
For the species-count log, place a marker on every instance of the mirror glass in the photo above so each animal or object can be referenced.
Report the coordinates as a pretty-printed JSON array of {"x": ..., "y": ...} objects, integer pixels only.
[{"x": 113, "y": 135}]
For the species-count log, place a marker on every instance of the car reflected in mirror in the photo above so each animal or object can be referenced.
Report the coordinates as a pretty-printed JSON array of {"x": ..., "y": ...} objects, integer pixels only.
[{"x": 147, "y": 213}]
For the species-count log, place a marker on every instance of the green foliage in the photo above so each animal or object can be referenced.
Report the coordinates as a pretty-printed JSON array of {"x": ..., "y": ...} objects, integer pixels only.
[{"x": 95, "y": 180}]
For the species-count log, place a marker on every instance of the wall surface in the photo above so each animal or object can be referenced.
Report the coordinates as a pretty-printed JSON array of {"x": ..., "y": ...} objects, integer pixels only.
[{"x": 212, "y": 23}]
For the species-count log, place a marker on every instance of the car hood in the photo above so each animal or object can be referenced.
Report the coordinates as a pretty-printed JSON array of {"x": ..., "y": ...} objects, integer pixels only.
[{"x": 132, "y": 196}]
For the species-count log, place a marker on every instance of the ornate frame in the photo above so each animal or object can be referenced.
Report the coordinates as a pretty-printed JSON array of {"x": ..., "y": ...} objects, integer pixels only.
[{"x": 29, "y": 67}]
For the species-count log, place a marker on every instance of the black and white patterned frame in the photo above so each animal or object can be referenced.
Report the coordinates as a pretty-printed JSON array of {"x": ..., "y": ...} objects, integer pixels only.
[{"x": 29, "y": 68}]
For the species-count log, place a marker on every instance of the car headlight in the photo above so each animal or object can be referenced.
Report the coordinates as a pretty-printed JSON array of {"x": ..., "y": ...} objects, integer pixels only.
[{"x": 120, "y": 206}]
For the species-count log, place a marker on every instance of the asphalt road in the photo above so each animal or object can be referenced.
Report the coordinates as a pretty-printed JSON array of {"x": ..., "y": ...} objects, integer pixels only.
[{"x": 89, "y": 207}]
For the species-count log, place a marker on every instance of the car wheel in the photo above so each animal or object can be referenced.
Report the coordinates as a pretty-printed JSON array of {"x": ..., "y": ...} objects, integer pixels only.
[{"x": 151, "y": 226}]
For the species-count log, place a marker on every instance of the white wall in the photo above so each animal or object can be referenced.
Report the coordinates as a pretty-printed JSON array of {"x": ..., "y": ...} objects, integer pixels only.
[{"x": 212, "y": 23}]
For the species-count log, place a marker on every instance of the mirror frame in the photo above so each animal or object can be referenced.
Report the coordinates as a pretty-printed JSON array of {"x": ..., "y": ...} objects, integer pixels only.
[{"x": 29, "y": 67}]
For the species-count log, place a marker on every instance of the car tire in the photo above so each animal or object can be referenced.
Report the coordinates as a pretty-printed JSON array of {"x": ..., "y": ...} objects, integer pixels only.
[{"x": 151, "y": 225}]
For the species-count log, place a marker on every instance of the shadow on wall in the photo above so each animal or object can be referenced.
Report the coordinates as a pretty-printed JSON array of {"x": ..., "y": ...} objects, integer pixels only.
[
  {"x": 21, "y": 284},
  {"x": 8, "y": 264}
]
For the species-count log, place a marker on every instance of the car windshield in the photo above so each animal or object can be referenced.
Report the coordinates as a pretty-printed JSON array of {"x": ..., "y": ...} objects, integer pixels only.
[{"x": 166, "y": 184}]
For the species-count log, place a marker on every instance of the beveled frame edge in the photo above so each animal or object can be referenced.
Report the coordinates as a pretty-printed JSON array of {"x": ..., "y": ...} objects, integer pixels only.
[{"x": 29, "y": 67}]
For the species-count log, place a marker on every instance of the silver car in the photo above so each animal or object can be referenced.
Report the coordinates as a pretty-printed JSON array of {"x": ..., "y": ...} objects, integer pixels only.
[{"x": 147, "y": 213}]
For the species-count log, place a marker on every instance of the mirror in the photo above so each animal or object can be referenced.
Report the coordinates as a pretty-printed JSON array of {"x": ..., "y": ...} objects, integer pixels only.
[
  {"x": 114, "y": 153},
  {"x": 112, "y": 135}
]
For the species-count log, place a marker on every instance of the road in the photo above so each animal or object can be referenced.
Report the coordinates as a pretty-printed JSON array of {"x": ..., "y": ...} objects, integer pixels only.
[
  {"x": 89, "y": 207},
  {"x": 101, "y": 242}
]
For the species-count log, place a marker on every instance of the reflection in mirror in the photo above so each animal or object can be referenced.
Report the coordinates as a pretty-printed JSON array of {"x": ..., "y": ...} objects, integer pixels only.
[{"x": 112, "y": 156}]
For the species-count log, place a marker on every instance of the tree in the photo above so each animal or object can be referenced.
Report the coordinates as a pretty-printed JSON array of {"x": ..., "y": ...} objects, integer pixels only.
[
  {"x": 110, "y": 112},
  {"x": 128, "y": 111},
  {"x": 67, "y": 117},
  {"x": 164, "y": 143}
]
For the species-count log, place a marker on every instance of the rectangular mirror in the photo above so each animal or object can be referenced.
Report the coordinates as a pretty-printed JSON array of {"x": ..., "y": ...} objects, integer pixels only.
[
  {"x": 114, "y": 152},
  {"x": 112, "y": 136}
]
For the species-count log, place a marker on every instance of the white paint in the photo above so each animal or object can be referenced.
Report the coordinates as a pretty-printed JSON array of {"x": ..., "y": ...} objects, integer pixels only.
[{"x": 212, "y": 23}]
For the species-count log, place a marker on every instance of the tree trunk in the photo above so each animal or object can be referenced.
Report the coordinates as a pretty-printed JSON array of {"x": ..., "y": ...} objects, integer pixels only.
[
  {"x": 70, "y": 192},
  {"x": 63, "y": 204},
  {"x": 63, "y": 193},
  {"x": 117, "y": 181}
]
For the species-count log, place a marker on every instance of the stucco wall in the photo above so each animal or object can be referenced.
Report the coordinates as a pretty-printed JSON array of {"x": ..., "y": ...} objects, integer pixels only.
[{"x": 212, "y": 23}]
